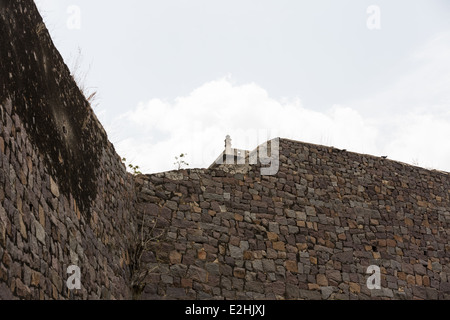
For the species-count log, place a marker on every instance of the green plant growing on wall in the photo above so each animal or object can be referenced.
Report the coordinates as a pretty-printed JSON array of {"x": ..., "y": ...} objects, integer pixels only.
[
  {"x": 179, "y": 161},
  {"x": 134, "y": 169}
]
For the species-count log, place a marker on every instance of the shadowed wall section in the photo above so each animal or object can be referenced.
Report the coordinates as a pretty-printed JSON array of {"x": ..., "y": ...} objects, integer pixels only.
[{"x": 65, "y": 196}]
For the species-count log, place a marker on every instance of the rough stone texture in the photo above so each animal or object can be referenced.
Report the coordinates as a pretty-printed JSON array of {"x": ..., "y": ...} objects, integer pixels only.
[
  {"x": 309, "y": 232},
  {"x": 65, "y": 196}
]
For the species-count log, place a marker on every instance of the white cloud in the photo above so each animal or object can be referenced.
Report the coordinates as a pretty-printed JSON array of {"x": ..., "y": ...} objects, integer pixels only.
[
  {"x": 155, "y": 132},
  {"x": 409, "y": 121},
  {"x": 197, "y": 124}
]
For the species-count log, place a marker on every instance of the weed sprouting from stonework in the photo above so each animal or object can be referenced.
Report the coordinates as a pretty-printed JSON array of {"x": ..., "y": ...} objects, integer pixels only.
[
  {"x": 145, "y": 238},
  {"x": 134, "y": 169},
  {"x": 40, "y": 28},
  {"x": 179, "y": 161},
  {"x": 80, "y": 78}
]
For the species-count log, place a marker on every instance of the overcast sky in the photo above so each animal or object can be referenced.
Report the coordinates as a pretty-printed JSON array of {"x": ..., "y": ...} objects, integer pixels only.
[{"x": 177, "y": 76}]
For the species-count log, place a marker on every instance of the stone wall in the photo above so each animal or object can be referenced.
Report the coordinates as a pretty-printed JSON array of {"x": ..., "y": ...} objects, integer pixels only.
[
  {"x": 309, "y": 232},
  {"x": 65, "y": 196}
]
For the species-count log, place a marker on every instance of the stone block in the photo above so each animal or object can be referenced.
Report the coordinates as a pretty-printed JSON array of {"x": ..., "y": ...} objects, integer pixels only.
[
  {"x": 239, "y": 273},
  {"x": 40, "y": 232},
  {"x": 420, "y": 269},
  {"x": 310, "y": 294},
  {"x": 22, "y": 290},
  {"x": 354, "y": 287},
  {"x": 291, "y": 266},
  {"x": 279, "y": 246},
  {"x": 54, "y": 187},
  {"x": 344, "y": 257},
  {"x": 268, "y": 265},
  {"x": 334, "y": 275},
  {"x": 35, "y": 278},
  {"x": 444, "y": 287},
  {"x": 322, "y": 280},
  {"x": 236, "y": 252},
  {"x": 274, "y": 227},
  {"x": 310, "y": 211},
  {"x": 272, "y": 236},
  {"x": 197, "y": 274},
  {"x": 5, "y": 292}
]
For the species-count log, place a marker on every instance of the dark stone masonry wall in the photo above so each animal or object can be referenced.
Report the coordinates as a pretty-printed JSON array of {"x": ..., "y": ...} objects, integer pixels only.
[
  {"x": 309, "y": 232},
  {"x": 65, "y": 196}
]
